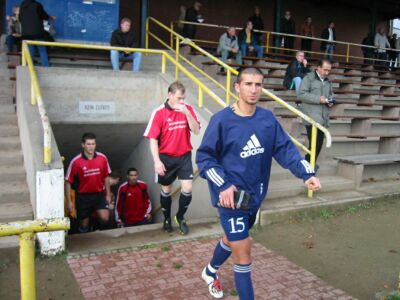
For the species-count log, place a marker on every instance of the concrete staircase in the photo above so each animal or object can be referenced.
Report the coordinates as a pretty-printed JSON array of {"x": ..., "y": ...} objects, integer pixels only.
[{"x": 14, "y": 194}]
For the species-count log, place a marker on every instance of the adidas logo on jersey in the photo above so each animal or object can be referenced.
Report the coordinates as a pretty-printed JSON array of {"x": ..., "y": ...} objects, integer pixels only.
[{"x": 253, "y": 147}]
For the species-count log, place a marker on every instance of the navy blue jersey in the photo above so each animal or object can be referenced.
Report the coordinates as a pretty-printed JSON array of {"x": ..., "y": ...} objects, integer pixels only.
[{"x": 238, "y": 151}]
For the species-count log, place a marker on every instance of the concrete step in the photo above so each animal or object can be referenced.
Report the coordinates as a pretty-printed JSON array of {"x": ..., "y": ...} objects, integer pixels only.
[
  {"x": 14, "y": 191},
  {"x": 7, "y": 109},
  {"x": 5, "y": 99},
  {"x": 19, "y": 211},
  {"x": 294, "y": 187},
  {"x": 8, "y": 130},
  {"x": 11, "y": 157},
  {"x": 8, "y": 119},
  {"x": 350, "y": 146},
  {"x": 10, "y": 143},
  {"x": 12, "y": 173}
]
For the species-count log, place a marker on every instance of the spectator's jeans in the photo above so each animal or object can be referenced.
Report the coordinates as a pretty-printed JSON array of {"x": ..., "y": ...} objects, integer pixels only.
[
  {"x": 225, "y": 54},
  {"x": 257, "y": 49},
  {"x": 381, "y": 56},
  {"x": 135, "y": 56},
  {"x": 297, "y": 82},
  {"x": 10, "y": 40},
  {"x": 329, "y": 51},
  {"x": 42, "y": 52}
]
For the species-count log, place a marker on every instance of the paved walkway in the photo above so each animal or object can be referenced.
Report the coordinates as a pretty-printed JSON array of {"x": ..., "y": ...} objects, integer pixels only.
[{"x": 172, "y": 271}]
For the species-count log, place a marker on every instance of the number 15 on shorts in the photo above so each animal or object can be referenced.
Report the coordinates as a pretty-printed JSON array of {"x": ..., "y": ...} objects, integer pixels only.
[{"x": 237, "y": 225}]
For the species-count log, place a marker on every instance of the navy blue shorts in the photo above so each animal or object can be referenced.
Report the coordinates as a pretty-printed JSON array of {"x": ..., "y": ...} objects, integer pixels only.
[{"x": 236, "y": 223}]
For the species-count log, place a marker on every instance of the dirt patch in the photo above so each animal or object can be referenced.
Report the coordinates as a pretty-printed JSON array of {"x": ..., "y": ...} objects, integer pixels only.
[
  {"x": 356, "y": 250},
  {"x": 54, "y": 279}
]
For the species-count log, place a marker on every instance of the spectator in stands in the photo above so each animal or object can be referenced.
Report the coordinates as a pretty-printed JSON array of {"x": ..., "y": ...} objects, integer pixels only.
[
  {"x": 249, "y": 42},
  {"x": 125, "y": 37},
  {"x": 169, "y": 132},
  {"x": 32, "y": 16},
  {"x": 398, "y": 50},
  {"x": 367, "y": 51},
  {"x": 14, "y": 30},
  {"x": 87, "y": 173},
  {"x": 392, "y": 53},
  {"x": 288, "y": 26},
  {"x": 295, "y": 72},
  {"x": 381, "y": 42},
  {"x": 258, "y": 23},
  {"x": 329, "y": 34},
  {"x": 307, "y": 29},
  {"x": 133, "y": 206},
  {"x": 316, "y": 96},
  {"x": 181, "y": 17},
  {"x": 192, "y": 15},
  {"x": 228, "y": 46}
]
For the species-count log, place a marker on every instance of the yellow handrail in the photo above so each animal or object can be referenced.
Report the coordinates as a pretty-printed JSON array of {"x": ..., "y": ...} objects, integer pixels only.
[
  {"x": 36, "y": 96},
  {"x": 268, "y": 33},
  {"x": 26, "y": 231}
]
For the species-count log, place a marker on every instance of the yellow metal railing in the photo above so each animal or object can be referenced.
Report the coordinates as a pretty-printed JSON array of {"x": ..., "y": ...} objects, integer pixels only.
[
  {"x": 36, "y": 95},
  {"x": 269, "y": 39},
  {"x": 26, "y": 231},
  {"x": 231, "y": 71}
]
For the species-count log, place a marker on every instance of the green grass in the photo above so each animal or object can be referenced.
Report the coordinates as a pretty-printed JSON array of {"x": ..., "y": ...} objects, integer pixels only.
[
  {"x": 165, "y": 248},
  {"x": 327, "y": 213},
  {"x": 234, "y": 292},
  {"x": 178, "y": 266}
]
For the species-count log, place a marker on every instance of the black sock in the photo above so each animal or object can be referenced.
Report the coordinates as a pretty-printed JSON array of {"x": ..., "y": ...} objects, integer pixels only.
[
  {"x": 165, "y": 200},
  {"x": 184, "y": 201}
]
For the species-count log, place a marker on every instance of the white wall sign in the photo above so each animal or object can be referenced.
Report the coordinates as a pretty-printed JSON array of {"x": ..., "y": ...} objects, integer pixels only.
[{"x": 96, "y": 107}]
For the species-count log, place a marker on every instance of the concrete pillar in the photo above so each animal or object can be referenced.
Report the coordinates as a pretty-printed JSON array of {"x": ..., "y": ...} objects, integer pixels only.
[
  {"x": 389, "y": 145},
  {"x": 360, "y": 126}
]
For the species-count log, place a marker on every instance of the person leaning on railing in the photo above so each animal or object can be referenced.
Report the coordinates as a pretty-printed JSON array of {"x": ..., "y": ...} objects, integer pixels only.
[
  {"x": 316, "y": 96},
  {"x": 14, "y": 30},
  {"x": 381, "y": 42}
]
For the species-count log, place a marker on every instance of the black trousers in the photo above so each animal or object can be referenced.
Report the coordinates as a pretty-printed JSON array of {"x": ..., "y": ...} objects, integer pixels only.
[{"x": 320, "y": 141}]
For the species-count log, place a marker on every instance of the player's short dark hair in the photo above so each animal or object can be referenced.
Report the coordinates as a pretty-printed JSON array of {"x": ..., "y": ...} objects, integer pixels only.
[
  {"x": 88, "y": 136},
  {"x": 116, "y": 174},
  {"x": 323, "y": 61},
  {"x": 131, "y": 170},
  {"x": 248, "y": 70},
  {"x": 176, "y": 86},
  {"x": 123, "y": 20}
]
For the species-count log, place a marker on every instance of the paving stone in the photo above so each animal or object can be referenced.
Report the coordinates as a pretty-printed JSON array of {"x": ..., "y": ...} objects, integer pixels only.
[{"x": 175, "y": 274}]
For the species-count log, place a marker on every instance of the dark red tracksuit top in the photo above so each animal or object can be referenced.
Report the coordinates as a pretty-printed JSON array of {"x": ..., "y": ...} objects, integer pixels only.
[{"x": 133, "y": 203}]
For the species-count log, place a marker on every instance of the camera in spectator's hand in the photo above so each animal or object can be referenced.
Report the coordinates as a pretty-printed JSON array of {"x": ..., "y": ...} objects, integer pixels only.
[{"x": 331, "y": 101}]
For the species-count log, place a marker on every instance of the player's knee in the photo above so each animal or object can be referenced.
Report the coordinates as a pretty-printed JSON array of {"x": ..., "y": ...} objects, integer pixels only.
[
  {"x": 103, "y": 216},
  {"x": 166, "y": 189}
]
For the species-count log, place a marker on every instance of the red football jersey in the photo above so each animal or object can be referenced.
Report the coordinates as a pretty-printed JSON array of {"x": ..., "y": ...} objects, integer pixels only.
[
  {"x": 172, "y": 130},
  {"x": 88, "y": 174}
]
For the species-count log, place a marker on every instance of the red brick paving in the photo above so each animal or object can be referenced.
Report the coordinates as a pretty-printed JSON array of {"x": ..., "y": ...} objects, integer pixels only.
[{"x": 172, "y": 271}]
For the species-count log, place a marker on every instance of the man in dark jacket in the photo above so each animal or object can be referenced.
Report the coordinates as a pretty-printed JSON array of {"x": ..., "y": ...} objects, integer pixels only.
[
  {"x": 289, "y": 27},
  {"x": 32, "y": 15},
  {"x": 329, "y": 33},
  {"x": 124, "y": 37},
  {"x": 192, "y": 15},
  {"x": 258, "y": 23},
  {"x": 295, "y": 72}
]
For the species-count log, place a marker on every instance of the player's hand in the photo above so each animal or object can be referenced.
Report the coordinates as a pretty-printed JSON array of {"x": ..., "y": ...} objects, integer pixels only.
[
  {"x": 181, "y": 108},
  {"x": 108, "y": 199},
  {"x": 305, "y": 62},
  {"x": 313, "y": 184},
  {"x": 226, "y": 198},
  {"x": 323, "y": 100},
  {"x": 70, "y": 207},
  {"x": 160, "y": 168}
]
